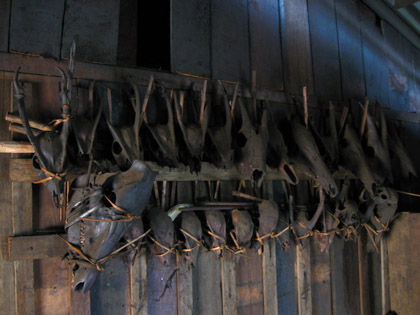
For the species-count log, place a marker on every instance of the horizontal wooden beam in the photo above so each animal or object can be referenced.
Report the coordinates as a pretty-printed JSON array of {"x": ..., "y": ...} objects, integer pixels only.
[
  {"x": 21, "y": 170},
  {"x": 16, "y": 147},
  {"x": 39, "y": 66},
  {"x": 36, "y": 247}
]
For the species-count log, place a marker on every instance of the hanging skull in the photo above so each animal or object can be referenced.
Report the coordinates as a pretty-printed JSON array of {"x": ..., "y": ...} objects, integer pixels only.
[
  {"x": 164, "y": 134},
  {"x": 252, "y": 142},
  {"x": 221, "y": 137},
  {"x": 217, "y": 225},
  {"x": 194, "y": 134},
  {"x": 126, "y": 146},
  {"x": 243, "y": 227},
  {"x": 348, "y": 213},
  {"x": 354, "y": 159},
  {"x": 191, "y": 227},
  {"x": 309, "y": 150},
  {"x": 163, "y": 233},
  {"x": 51, "y": 147}
]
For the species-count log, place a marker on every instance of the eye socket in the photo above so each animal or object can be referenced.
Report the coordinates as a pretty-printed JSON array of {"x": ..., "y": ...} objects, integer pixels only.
[
  {"x": 116, "y": 148},
  {"x": 241, "y": 140},
  {"x": 354, "y": 216}
]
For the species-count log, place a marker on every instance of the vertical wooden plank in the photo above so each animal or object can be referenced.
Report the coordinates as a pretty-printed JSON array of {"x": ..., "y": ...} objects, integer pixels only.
[
  {"x": 374, "y": 59},
  {"x": 375, "y": 283},
  {"x": 190, "y": 37},
  {"x": 52, "y": 286},
  {"x": 35, "y": 27},
  {"x": 108, "y": 293},
  {"x": 385, "y": 298},
  {"x": 296, "y": 47},
  {"x": 303, "y": 259},
  {"x": 22, "y": 225},
  {"x": 321, "y": 280},
  {"x": 161, "y": 286},
  {"x": 337, "y": 277},
  {"x": 230, "y": 40},
  {"x": 265, "y": 48},
  {"x": 4, "y": 24},
  {"x": 186, "y": 293},
  {"x": 207, "y": 282},
  {"x": 399, "y": 276},
  {"x": 400, "y": 68},
  {"x": 285, "y": 267},
  {"x": 79, "y": 302},
  {"x": 303, "y": 279},
  {"x": 404, "y": 259},
  {"x": 127, "y": 33},
  {"x": 138, "y": 285},
  {"x": 249, "y": 284},
  {"x": 228, "y": 265},
  {"x": 7, "y": 281},
  {"x": 351, "y": 278},
  {"x": 350, "y": 48},
  {"x": 324, "y": 43},
  {"x": 269, "y": 264},
  {"x": 93, "y": 25}
]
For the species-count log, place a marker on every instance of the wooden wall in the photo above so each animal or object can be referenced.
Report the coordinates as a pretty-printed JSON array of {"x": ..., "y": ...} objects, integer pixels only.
[{"x": 339, "y": 49}]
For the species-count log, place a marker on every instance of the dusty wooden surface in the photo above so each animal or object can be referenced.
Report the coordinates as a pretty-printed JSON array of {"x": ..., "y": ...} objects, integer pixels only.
[
  {"x": 404, "y": 259},
  {"x": 4, "y": 24},
  {"x": 7, "y": 278},
  {"x": 265, "y": 42},
  {"x": 296, "y": 46},
  {"x": 325, "y": 55},
  {"x": 36, "y": 27},
  {"x": 229, "y": 40},
  {"x": 36, "y": 247},
  {"x": 91, "y": 24},
  {"x": 191, "y": 35},
  {"x": 350, "y": 48}
]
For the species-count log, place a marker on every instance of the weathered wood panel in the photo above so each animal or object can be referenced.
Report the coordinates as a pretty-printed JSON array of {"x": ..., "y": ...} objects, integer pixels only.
[
  {"x": 249, "y": 284},
  {"x": 52, "y": 292},
  {"x": 207, "y": 280},
  {"x": 99, "y": 72},
  {"x": 230, "y": 41},
  {"x": 93, "y": 25},
  {"x": 185, "y": 273},
  {"x": 108, "y": 293},
  {"x": 7, "y": 278},
  {"x": 21, "y": 170},
  {"x": 297, "y": 60},
  {"x": 161, "y": 286},
  {"x": 350, "y": 48},
  {"x": 4, "y": 24},
  {"x": 325, "y": 57},
  {"x": 127, "y": 33},
  {"x": 337, "y": 277},
  {"x": 35, "y": 27},
  {"x": 404, "y": 259},
  {"x": 228, "y": 264},
  {"x": 190, "y": 37},
  {"x": 265, "y": 42},
  {"x": 374, "y": 59},
  {"x": 22, "y": 225},
  {"x": 321, "y": 280},
  {"x": 400, "y": 68},
  {"x": 285, "y": 267},
  {"x": 36, "y": 247},
  {"x": 138, "y": 285}
]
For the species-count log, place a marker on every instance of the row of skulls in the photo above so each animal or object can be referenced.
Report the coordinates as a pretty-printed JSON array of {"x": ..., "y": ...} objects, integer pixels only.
[{"x": 110, "y": 197}]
